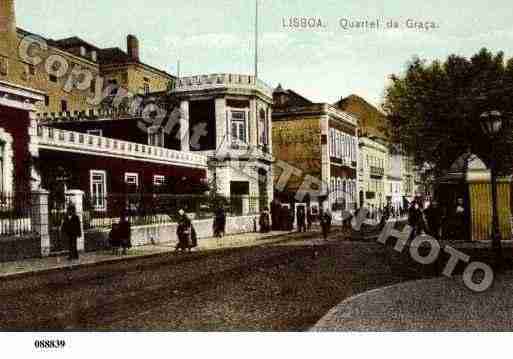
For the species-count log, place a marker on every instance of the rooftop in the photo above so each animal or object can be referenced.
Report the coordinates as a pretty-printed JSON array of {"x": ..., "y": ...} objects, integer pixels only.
[{"x": 222, "y": 81}]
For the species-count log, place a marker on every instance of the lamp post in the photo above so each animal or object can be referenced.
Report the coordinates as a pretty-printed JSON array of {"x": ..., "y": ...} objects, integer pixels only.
[{"x": 491, "y": 124}]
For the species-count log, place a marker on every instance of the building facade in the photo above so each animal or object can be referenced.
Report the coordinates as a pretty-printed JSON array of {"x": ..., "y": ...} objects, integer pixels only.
[
  {"x": 371, "y": 173},
  {"x": 394, "y": 182},
  {"x": 318, "y": 146},
  {"x": 74, "y": 75},
  {"x": 227, "y": 117}
]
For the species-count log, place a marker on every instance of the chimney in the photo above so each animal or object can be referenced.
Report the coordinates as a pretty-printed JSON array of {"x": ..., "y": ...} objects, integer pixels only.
[
  {"x": 7, "y": 16},
  {"x": 7, "y": 27},
  {"x": 132, "y": 45}
]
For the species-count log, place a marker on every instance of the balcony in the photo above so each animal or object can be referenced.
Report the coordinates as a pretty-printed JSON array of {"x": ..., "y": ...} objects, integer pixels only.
[
  {"x": 70, "y": 141},
  {"x": 204, "y": 82},
  {"x": 377, "y": 171}
]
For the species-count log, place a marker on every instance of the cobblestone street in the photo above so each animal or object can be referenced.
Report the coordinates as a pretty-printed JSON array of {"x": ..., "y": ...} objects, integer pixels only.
[{"x": 276, "y": 286}]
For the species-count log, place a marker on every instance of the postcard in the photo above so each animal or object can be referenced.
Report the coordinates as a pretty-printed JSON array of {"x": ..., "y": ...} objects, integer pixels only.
[{"x": 305, "y": 169}]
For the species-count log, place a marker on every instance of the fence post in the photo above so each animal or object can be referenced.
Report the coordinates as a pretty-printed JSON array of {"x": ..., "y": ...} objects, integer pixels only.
[
  {"x": 39, "y": 218},
  {"x": 77, "y": 198},
  {"x": 245, "y": 205}
]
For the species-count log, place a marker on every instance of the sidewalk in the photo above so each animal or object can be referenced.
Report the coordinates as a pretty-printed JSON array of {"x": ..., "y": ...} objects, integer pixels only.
[
  {"x": 439, "y": 304},
  {"x": 10, "y": 270}
]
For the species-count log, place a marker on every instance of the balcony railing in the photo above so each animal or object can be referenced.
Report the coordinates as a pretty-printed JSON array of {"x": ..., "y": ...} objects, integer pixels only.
[
  {"x": 377, "y": 171},
  {"x": 222, "y": 80},
  {"x": 54, "y": 138}
]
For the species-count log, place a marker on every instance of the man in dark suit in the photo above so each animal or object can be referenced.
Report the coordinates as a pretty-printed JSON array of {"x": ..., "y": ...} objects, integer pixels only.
[{"x": 72, "y": 228}]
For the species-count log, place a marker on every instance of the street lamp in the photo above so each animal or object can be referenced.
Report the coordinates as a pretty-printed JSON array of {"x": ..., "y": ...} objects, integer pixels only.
[{"x": 491, "y": 124}]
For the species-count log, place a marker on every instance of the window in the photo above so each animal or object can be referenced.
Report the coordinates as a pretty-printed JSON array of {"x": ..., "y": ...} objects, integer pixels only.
[
  {"x": 146, "y": 85},
  {"x": 98, "y": 190},
  {"x": 93, "y": 85},
  {"x": 159, "y": 180},
  {"x": 47, "y": 100},
  {"x": 28, "y": 71},
  {"x": 95, "y": 132},
  {"x": 4, "y": 66},
  {"x": 64, "y": 105},
  {"x": 155, "y": 137},
  {"x": 1, "y": 168},
  {"x": 132, "y": 179},
  {"x": 239, "y": 126},
  {"x": 52, "y": 78},
  {"x": 263, "y": 127},
  {"x": 332, "y": 143}
]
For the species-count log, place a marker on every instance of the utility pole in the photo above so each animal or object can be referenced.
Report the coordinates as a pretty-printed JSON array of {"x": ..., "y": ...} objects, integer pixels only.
[{"x": 256, "y": 40}]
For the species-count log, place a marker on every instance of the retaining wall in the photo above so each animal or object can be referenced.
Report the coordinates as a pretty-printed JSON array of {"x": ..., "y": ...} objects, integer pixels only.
[{"x": 166, "y": 233}]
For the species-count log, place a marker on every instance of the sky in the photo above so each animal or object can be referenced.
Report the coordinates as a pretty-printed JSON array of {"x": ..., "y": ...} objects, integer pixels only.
[{"x": 322, "y": 63}]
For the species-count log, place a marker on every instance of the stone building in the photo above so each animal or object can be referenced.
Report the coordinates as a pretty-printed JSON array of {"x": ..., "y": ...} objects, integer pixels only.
[
  {"x": 228, "y": 117},
  {"x": 371, "y": 173},
  {"x": 383, "y": 171},
  {"x": 320, "y": 143},
  {"x": 74, "y": 74}
]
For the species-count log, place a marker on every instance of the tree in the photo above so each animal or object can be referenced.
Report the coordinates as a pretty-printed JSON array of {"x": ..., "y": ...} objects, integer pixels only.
[{"x": 434, "y": 109}]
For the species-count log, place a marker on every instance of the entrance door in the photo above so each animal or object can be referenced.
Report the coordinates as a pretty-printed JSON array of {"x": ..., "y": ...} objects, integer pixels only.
[{"x": 299, "y": 207}]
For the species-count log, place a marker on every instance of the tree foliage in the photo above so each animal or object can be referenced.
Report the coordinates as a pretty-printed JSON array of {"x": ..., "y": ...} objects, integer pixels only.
[{"x": 434, "y": 109}]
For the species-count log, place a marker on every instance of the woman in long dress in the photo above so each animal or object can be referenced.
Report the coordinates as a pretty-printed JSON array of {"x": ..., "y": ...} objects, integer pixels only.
[{"x": 186, "y": 234}]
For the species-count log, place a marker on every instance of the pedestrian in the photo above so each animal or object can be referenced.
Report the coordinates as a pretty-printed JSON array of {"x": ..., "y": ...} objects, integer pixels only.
[
  {"x": 290, "y": 219},
  {"x": 325, "y": 224},
  {"x": 125, "y": 232},
  {"x": 72, "y": 229},
  {"x": 460, "y": 222},
  {"x": 183, "y": 231},
  {"x": 220, "y": 222},
  {"x": 284, "y": 218},
  {"x": 275, "y": 215},
  {"x": 434, "y": 219},
  {"x": 415, "y": 219},
  {"x": 264, "y": 221},
  {"x": 114, "y": 239},
  {"x": 301, "y": 219},
  {"x": 309, "y": 218}
]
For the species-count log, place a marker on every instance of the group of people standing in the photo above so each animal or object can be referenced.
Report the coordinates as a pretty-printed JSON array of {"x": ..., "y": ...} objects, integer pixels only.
[
  {"x": 282, "y": 218},
  {"x": 439, "y": 222}
]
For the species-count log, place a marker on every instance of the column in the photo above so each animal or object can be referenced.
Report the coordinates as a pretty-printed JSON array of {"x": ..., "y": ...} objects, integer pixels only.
[
  {"x": 184, "y": 126},
  {"x": 39, "y": 219},
  {"x": 270, "y": 129},
  {"x": 253, "y": 123},
  {"x": 222, "y": 130},
  {"x": 77, "y": 197},
  {"x": 34, "y": 150},
  {"x": 245, "y": 205}
]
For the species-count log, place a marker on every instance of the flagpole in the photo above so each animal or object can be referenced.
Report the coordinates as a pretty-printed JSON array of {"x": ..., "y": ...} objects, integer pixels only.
[{"x": 256, "y": 40}]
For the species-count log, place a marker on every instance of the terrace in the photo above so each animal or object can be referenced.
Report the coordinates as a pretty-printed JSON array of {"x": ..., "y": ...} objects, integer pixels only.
[
  {"x": 230, "y": 81},
  {"x": 64, "y": 140}
]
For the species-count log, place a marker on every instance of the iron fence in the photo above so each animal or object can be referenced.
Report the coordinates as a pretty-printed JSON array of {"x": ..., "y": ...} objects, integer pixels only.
[
  {"x": 147, "y": 209},
  {"x": 15, "y": 214}
]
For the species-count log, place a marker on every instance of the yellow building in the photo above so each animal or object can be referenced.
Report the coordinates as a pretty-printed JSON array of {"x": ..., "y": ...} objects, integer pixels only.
[
  {"x": 74, "y": 74},
  {"x": 317, "y": 145}
]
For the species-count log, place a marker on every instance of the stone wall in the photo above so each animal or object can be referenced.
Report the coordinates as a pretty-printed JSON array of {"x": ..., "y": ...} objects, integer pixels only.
[
  {"x": 166, "y": 233},
  {"x": 18, "y": 248}
]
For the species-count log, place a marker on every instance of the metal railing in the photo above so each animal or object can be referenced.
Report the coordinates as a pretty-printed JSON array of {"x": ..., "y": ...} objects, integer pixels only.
[
  {"x": 15, "y": 214},
  {"x": 50, "y": 137},
  {"x": 148, "y": 209}
]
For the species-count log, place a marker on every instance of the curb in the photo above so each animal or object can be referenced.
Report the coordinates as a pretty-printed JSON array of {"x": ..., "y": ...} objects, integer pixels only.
[
  {"x": 71, "y": 266},
  {"x": 332, "y": 312}
]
